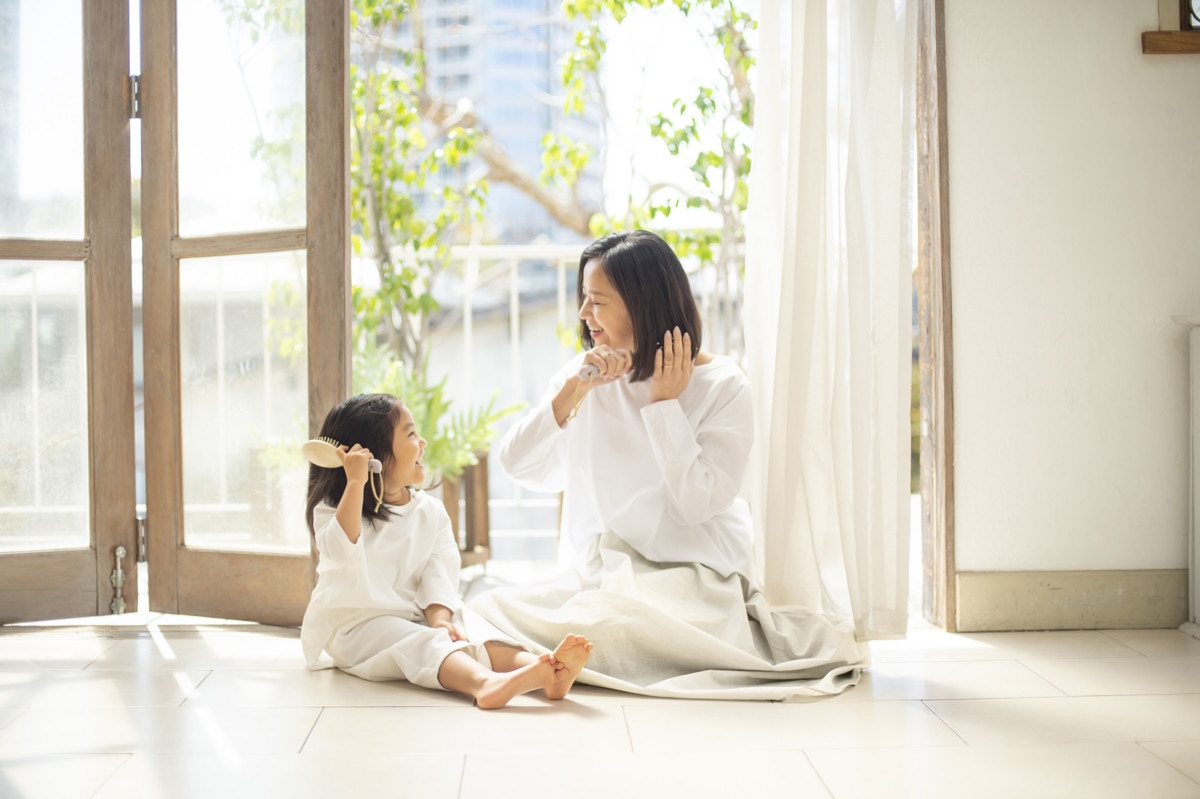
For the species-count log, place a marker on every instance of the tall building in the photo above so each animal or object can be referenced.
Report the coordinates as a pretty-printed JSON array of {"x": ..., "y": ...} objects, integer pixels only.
[{"x": 503, "y": 56}]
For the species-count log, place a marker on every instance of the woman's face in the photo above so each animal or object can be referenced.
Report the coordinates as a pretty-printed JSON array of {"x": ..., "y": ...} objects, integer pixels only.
[
  {"x": 407, "y": 450},
  {"x": 603, "y": 309}
]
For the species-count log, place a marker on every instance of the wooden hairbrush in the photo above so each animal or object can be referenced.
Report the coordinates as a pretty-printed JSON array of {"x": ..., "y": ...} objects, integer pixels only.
[{"x": 323, "y": 451}]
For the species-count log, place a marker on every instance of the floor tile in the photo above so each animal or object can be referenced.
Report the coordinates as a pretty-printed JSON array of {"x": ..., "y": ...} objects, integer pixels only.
[
  {"x": 1068, "y": 719},
  {"x": 1158, "y": 643},
  {"x": 1121, "y": 676},
  {"x": 44, "y": 731},
  {"x": 932, "y": 644},
  {"x": 7, "y": 714},
  {"x": 555, "y": 727},
  {"x": 325, "y": 688},
  {"x": 1183, "y": 755},
  {"x": 97, "y": 689},
  {"x": 741, "y": 726},
  {"x": 56, "y": 776},
  {"x": 718, "y": 775},
  {"x": 213, "y": 649},
  {"x": 49, "y": 650},
  {"x": 1095, "y": 771},
  {"x": 949, "y": 680},
  {"x": 593, "y": 696},
  {"x": 390, "y": 775}
]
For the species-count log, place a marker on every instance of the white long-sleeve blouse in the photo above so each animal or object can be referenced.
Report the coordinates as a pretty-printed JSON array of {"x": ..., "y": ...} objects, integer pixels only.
[{"x": 663, "y": 476}]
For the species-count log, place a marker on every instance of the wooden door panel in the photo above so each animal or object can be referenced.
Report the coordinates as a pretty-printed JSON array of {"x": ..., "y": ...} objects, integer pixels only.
[
  {"x": 71, "y": 581},
  {"x": 223, "y": 571}
]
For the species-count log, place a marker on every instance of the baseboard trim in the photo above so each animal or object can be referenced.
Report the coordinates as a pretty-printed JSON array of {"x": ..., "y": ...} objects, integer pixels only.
[{"x": 1071, "y": 600}]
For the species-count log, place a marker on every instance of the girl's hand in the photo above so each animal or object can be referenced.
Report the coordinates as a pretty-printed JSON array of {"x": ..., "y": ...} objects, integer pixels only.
[
  {"x": 356, "y": 462},
  {"x": 612, "y": 363},
  {"x": 449, "y": 627},
  {"x": 673, "y": 366}
]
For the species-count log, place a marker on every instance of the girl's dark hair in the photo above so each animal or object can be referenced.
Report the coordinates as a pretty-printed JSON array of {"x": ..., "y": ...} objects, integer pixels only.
[
  {"x": 647, "y": 274},
  {"x": 369, "y": 420}
]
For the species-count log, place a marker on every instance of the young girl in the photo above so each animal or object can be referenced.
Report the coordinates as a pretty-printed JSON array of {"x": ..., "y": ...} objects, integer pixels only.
[{"x": 387, "y": 578}]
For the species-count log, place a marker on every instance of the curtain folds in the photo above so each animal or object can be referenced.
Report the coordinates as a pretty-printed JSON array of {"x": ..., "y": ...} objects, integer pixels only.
[{"x": 828, "y": 306}]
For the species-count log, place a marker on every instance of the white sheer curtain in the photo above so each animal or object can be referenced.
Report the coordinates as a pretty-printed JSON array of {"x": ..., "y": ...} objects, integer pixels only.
[{"x": 828, "y": 310}]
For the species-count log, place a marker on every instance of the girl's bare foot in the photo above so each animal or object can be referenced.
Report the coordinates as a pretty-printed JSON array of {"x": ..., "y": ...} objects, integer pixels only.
[
  {"x": 499, "y": 688},
  {"x": 572, "y": 653}
]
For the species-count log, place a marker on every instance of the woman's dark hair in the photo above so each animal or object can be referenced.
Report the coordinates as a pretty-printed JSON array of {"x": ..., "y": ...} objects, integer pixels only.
[
  {"x": 647, "y": 274},
  {"x": 369, "y": 420}
]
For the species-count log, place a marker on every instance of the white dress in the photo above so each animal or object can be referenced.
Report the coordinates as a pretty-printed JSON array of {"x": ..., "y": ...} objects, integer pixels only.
[
  {"x": 366, "y": 609},
  {"x": 662, "y": 579}
]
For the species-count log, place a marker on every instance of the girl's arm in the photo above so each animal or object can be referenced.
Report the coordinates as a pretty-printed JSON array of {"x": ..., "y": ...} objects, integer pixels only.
[
  {"x": 355, "y": 461},
  {"x": 437, "y": 589},
  {"x": 442, "y": 616}
]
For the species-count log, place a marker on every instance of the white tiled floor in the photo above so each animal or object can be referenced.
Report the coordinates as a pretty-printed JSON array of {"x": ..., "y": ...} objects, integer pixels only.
[{"x": 169, "y": 707}]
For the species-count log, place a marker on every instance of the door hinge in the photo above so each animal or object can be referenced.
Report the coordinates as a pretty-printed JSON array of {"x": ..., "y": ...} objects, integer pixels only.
[
  {"x": 140, "y": 528},
  {"x": 135, "y": 96},
  {"x": 118, "y": 583}
]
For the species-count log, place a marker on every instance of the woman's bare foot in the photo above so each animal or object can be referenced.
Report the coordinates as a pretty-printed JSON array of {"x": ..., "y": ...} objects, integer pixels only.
[
  {"x": 572, "y": 653},
  {"x": 499, "y": 688}
]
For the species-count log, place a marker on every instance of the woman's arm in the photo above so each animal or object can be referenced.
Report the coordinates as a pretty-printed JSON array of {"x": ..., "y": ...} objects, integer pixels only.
[{"x": 702, "y": 466}]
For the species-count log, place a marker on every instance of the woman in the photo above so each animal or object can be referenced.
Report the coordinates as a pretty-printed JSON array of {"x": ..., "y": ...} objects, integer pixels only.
[{"x": 648, "y": 436}]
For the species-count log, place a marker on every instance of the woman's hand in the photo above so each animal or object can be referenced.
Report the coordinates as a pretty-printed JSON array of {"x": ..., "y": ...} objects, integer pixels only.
[
  {"x": 672, "y": 366},
  {"x": 612, "y": 363}
]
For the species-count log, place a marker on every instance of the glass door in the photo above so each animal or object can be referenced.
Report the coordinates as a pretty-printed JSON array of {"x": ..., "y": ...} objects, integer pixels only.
[
  {"x": 245, "y": 236},
  {"x": 67, "y": 486}
]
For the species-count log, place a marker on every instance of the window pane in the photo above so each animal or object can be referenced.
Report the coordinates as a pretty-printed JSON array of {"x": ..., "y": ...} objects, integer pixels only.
[
  {"x": 41, "y": 119},
  {"x": 241, "y": 116},
  {"x": 43, "y": 408},
  {"x": 245, "y": 402}
]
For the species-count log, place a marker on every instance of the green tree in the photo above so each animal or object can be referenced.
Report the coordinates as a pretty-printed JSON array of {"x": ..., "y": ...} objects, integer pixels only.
[
  {"x": 403, "y": 221},
  {"x": 710, "y": 130},
  {"x": 421, "y": 165}
]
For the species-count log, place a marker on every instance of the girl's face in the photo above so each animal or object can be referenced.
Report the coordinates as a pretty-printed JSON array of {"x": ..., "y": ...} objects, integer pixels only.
[
  {"x": 603, "y": 309},
  {"x": 407, "y": 450}
]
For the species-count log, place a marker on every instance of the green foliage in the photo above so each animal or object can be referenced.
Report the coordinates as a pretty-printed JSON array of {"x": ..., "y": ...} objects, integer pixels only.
[
  {"x": 563, "y": 160},
  {"x": 402, "y": 219},
  {"x": 454, "y": 439},
  {"x": 405, "y": 222},
  {"x": 709, "y": 129}
]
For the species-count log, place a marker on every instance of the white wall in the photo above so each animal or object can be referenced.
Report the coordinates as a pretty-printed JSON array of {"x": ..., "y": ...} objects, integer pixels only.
[{"x": 1075, "y": 236}]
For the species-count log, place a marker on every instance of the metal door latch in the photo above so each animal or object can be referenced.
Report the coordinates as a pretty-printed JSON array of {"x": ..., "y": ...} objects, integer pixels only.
[{"x": 118, "y": 583}]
